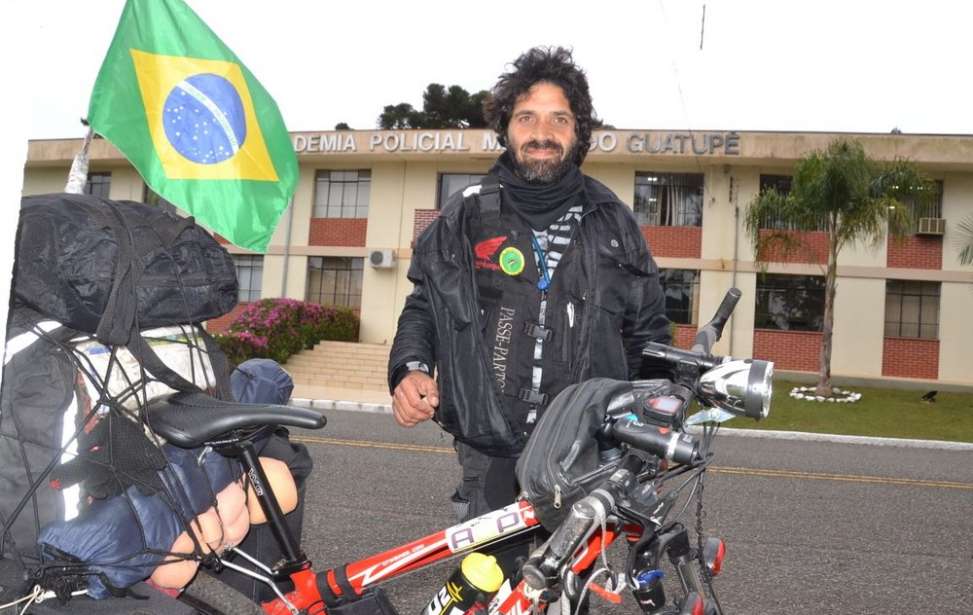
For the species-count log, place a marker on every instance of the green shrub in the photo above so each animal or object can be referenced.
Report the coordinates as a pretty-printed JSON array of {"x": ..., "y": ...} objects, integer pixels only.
[{"x": 277, "y": 328}]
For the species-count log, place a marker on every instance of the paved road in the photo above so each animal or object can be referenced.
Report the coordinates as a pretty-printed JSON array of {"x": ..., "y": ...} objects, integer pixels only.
[{"x": 810, "y": 527}]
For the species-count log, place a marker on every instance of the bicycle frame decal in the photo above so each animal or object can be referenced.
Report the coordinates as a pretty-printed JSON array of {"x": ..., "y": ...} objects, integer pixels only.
[
  {"x": 489, "y": 527},
  {"x": 457, "y": 539}
]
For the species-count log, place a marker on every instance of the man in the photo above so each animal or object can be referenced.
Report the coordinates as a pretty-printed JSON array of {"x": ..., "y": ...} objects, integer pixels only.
[{"x": 533, "y": 280}]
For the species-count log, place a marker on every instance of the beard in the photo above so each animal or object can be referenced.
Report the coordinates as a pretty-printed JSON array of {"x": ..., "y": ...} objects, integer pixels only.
[{"x": 545, "y": 171}]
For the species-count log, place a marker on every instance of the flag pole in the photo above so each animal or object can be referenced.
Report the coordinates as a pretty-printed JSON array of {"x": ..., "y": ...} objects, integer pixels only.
[
  {"x": 78, "y": 175},
  {"x": 287, "y": 246}
]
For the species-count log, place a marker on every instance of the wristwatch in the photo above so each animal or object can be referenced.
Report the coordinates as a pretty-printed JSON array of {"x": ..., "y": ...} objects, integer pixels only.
[
  {"x": 417, "y": 366},
  {"x": 402, "y": 370}
]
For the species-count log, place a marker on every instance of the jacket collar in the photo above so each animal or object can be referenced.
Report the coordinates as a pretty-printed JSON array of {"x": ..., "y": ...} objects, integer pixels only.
[{"x": 596, "y": 194}]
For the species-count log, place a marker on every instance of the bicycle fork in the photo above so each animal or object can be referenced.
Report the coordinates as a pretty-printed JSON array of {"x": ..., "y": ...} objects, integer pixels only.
[{"x": 674, "y": 542}]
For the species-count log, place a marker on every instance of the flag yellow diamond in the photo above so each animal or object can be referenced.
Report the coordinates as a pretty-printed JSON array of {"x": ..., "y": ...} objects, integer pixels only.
[{"x": 201, "y": 118}]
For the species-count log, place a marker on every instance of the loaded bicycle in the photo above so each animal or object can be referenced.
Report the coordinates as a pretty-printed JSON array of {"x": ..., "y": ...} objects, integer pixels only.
[{"x": 650, "y": 457}]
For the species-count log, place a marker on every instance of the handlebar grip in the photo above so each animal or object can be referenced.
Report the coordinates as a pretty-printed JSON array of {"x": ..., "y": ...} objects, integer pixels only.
[
  {"x": 726, "y": 308},
  {"x": 660, "y": 441},
  {"x": 713, "y": 330}
]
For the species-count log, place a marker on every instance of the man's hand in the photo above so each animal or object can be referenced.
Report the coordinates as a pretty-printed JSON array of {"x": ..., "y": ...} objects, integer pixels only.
[{"x": 415, "y": 399}]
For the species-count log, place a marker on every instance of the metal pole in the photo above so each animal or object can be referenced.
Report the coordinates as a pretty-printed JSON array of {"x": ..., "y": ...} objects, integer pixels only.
[
  {"x": 287, "y": 247},
  {"x": 736, "y": 232},
  {"x": 78, "y": 175}
]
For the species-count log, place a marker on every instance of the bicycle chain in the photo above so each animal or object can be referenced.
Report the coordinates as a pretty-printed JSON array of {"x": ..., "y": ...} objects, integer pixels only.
[{"x": 700, "y": 513}]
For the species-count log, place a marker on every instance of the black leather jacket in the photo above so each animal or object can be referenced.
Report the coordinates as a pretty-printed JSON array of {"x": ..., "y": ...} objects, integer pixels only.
[{"x": 613, "y": 276}]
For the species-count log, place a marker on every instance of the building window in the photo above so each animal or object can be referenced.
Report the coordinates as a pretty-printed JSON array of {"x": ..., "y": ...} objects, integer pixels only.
[
  {"x": 249, "y": 275},
  {"x": 98, "y": 184},
  {"x": 782, "y": 184},
  {"x": 342, "y": 194},
  {"x": 912, "y": 309},
  {"x": 669, "y": 199},
  {"x": 789, "y": 302},
  {"x": 334, "y": 280},
  {"x": 681, "y": 290},
  {"x": 451, "y": 183},
  {"x": 932, "y": 209}
]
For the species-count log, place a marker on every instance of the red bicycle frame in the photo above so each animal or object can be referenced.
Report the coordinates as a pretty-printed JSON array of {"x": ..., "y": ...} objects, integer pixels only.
[{"x": 456, "y": 540}]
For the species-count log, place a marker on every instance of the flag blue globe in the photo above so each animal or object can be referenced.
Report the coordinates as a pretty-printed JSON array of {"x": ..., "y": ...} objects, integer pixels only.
[{"x": 204, "y": 119}]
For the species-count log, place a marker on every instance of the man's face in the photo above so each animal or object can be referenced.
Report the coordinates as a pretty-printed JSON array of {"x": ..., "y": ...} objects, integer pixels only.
[{"x": 541, "y": 134}]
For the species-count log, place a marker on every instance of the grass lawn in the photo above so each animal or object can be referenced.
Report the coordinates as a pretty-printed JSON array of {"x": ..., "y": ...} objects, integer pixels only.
[{"x": 880, "y": 412}]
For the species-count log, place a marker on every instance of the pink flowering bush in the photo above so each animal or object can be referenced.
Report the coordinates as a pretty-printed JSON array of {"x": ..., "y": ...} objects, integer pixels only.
[{"x": 277, "y": 328}]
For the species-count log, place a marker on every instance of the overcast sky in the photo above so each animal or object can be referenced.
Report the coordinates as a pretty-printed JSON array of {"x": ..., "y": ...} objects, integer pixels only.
[{"x": 849, "y": 65}]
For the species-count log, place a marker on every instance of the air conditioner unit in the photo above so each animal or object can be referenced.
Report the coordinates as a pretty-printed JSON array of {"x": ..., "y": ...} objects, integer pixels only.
[
  {"x": 932, "y": 226},
  {"x": 382, "y": 259}
]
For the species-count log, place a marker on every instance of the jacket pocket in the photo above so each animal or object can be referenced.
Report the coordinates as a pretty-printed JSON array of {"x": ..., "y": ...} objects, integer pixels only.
[
  {"x": 618, "y": 270},
  {"x": 567, "y": 325}
]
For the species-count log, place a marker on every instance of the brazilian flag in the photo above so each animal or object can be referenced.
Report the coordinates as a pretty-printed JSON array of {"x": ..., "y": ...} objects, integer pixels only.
[{"x": 192, "y": 119}]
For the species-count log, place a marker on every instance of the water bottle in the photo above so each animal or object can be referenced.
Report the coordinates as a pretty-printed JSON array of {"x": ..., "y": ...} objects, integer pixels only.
[{"x": 468, "y": 588}]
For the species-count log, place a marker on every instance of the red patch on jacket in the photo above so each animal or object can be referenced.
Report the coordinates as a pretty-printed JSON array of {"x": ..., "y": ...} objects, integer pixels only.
[{"x": 485, "y": 250}]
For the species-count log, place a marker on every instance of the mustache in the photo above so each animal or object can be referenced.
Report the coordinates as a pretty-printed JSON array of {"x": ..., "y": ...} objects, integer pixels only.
[{"x": 546, "y": 144}]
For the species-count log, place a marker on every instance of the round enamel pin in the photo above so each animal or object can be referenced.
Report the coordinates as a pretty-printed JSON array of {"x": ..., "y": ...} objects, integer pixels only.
[{"x": 511, "y": 261}]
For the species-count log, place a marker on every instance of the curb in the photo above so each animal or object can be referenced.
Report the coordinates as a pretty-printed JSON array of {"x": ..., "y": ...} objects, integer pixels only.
[
  {"x": 346, "y": 406},
  {"x": 840, "y": 439},
  {"x": 356, "y": 406}
]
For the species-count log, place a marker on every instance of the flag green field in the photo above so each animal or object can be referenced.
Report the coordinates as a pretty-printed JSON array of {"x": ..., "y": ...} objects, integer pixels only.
[{"x": 197, "y": 125}]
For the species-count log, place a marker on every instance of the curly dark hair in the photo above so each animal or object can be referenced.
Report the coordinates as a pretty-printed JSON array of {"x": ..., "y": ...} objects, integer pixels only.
[{"x": 553, "y": 65}]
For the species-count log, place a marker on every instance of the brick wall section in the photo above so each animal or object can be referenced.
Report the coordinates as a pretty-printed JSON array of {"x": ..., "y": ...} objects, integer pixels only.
[
  {"x": 338, "y": 231},
  {"x": 790, "y": 350},
  {"x": 915, "y": 252},
  {"x": 910, "y": 358},
  {"x": 423, "y": 218},
  {"x": 221, "y": 324},
  {"x": 814, "y": 248},
  {"x": 674, "y": 241},
  {"x": 683, "y": 336}
]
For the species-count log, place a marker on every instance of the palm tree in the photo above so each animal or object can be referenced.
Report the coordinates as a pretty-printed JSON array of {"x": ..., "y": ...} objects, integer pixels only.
[
  {"x": 852, "y": 199},
  {"x": 966, "y": 240}
]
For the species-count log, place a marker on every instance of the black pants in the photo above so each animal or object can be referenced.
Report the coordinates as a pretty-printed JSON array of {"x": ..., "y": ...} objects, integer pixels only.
[{"x": 489, "y": 483}]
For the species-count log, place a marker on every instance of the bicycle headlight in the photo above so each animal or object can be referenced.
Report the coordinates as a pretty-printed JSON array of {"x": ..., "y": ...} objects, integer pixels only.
[{"x": 743, "y": 387}]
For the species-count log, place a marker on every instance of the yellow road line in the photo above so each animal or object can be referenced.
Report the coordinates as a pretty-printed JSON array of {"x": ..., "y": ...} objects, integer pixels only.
[
  {"x": 762, "y": 472},
  {"x": 415, "y": 448},
  {"x": 853, "y": 478}
]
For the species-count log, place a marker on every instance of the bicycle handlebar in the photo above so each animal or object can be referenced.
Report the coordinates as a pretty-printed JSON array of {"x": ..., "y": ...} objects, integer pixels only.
[
  {"x": 659, "y": 441},
  {"x": 711, "y": 332}
]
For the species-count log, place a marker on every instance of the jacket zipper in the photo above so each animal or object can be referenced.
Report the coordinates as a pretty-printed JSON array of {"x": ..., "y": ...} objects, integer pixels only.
[{"x": 587, "y": 314}]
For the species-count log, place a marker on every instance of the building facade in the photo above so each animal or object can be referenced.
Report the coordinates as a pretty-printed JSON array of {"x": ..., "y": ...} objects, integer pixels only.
[{"x": 903, "y": 306}]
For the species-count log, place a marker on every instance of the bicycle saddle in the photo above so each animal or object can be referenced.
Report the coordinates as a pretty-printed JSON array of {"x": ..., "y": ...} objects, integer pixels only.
[{"x": 188, "y": 420}]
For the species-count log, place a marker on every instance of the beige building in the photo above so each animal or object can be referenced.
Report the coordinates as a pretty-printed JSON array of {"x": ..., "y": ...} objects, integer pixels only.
[{"x": 902, "y": 309}]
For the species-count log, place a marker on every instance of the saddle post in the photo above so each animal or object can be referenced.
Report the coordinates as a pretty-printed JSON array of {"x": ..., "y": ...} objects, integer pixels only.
[{"x": 295, "y": 558}]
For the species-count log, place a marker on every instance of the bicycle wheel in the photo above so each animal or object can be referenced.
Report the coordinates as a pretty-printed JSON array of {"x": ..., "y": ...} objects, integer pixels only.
[{"x": 211, "y": 597}]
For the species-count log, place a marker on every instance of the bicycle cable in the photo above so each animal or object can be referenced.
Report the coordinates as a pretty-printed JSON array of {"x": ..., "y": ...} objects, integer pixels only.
[{"x": 708, "y": 433}]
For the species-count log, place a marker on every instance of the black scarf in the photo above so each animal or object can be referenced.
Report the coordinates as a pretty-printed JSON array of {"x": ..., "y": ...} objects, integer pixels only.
[{"x": 539, "y": 204}]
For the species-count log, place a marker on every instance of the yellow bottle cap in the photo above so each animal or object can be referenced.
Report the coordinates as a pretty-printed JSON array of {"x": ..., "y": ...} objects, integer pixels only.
[{"x": 482, "y": 571}]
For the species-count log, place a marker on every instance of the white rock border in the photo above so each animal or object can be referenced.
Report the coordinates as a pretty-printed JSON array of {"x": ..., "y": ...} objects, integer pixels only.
[{"x": 840, "y": 396}]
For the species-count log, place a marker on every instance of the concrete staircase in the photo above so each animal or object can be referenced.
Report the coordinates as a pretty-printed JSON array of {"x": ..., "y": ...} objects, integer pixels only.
[{"x": 341, "y": 365}]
